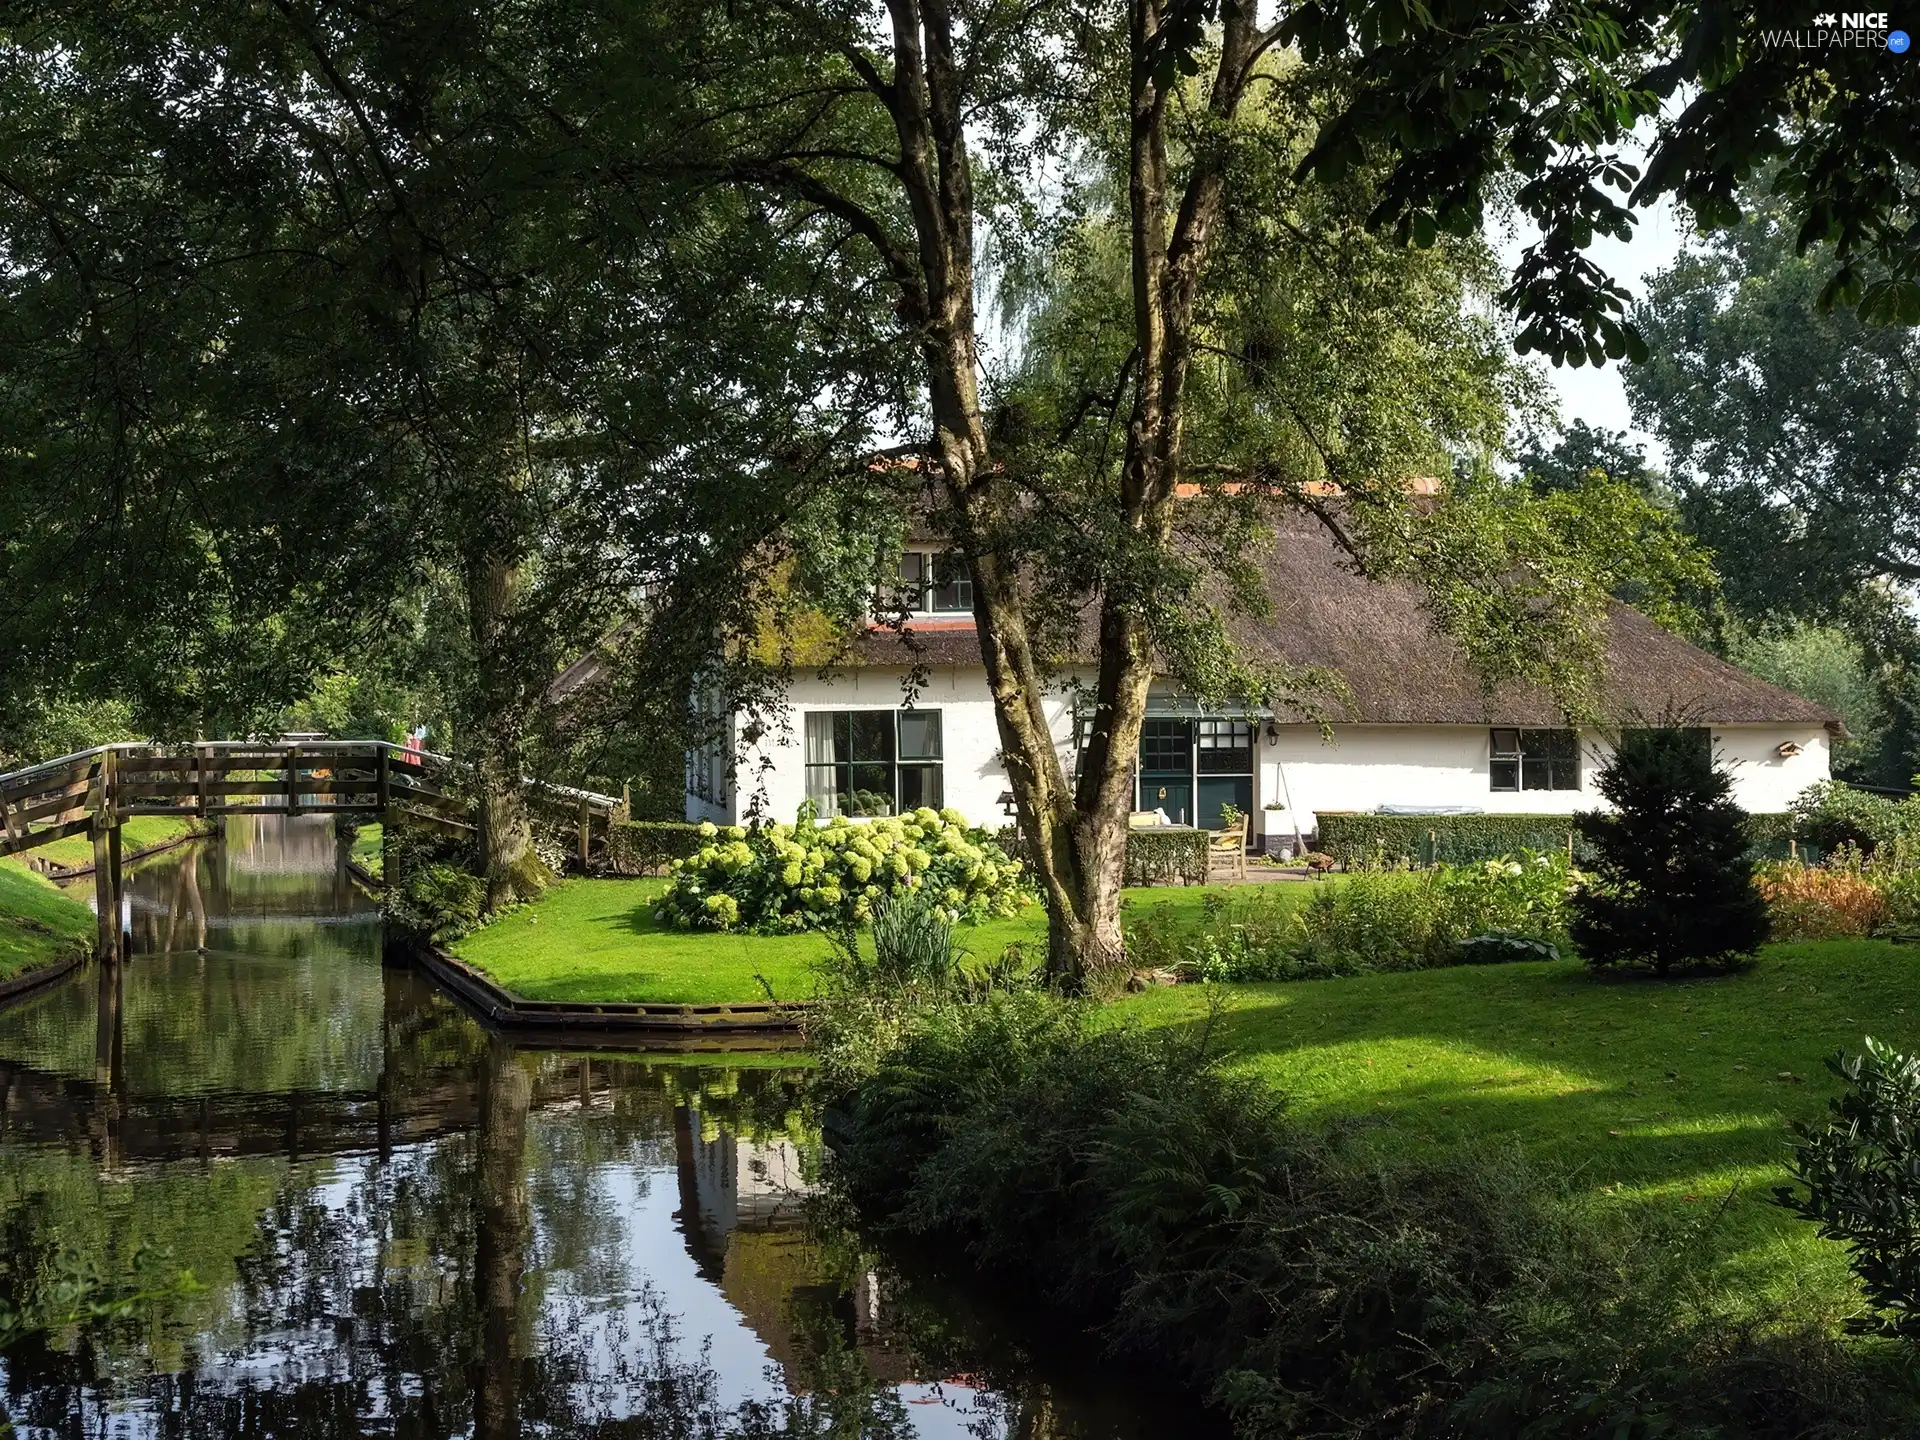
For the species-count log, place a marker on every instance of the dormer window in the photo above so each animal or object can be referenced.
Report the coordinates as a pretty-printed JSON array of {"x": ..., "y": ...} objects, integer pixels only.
[{"x": 932, "y": 583}]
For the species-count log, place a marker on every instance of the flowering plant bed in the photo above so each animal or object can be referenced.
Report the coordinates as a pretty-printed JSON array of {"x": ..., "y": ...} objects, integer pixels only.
[{"x": 785, "y": 878}]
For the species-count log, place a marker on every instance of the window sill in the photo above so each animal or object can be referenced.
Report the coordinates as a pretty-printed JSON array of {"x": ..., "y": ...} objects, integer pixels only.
[{"x": 942, "y": 620}]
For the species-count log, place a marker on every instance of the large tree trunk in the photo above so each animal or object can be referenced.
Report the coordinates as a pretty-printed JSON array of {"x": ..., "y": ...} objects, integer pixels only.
[
  {"x": 513, "y": 870},
  {"x": 1076, "y": 834}
]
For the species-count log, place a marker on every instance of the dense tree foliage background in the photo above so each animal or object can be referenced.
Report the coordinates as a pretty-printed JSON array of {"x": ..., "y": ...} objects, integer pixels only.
[{"x": 392, "y": 357}]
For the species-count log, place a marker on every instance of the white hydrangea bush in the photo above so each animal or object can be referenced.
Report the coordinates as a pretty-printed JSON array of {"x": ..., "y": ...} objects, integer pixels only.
[{"x": 808, "y": 876}]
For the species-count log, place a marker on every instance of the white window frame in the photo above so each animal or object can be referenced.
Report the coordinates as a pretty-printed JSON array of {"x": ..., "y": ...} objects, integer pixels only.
[{"x": 919, "y": 596}]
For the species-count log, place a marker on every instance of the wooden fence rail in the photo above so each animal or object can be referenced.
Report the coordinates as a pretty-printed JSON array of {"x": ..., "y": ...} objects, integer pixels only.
[{"x": 93, "y": 791}]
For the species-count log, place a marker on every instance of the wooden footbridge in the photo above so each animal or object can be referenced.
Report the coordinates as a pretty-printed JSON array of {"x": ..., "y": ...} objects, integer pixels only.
[{"x": 94, "y": 791}]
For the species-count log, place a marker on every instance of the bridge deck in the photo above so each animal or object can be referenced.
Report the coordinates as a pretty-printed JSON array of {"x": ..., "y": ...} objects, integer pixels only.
[{"x": 92, "y": 791}]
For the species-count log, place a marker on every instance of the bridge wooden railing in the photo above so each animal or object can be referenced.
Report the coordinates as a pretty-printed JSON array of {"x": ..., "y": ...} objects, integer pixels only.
[{"x": 93, "y": 791}]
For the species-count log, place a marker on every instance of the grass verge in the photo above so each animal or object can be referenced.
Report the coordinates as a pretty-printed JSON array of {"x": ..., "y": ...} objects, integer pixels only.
[
  {"x": 38, "y": 925},
  {"x": 1671, "y": 1097},
  {"x": 138, "y": 832},
  {"x": 590, "y": 941},
  {"x": 367, "y": 850}
]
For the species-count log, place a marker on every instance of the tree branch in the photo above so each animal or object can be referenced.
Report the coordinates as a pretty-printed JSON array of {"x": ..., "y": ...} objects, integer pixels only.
[{"x": 810, "y": 187}]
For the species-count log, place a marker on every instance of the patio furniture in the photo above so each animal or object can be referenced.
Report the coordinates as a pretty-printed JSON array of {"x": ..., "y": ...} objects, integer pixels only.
[
  {"x": 1227, "y": 853},
  {"x": 1146, "y": 819}
]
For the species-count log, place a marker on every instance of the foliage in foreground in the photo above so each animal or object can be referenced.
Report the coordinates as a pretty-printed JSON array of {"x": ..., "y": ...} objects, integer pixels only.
[
  {"x": 1672, "y": 882},
  {"x": 808, "y": 877},
  {"x": 1513, "y": 908},
  {"x": 1123, "y": 1177},
  {"x": 1862, "y": 1173}
]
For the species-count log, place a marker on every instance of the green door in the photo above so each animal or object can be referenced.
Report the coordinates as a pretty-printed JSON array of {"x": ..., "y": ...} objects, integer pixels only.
[{"x": 1166, "y": 769}]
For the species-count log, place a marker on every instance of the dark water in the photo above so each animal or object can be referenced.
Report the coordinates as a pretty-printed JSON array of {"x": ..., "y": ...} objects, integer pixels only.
[{"x": 398, "y": 1224}]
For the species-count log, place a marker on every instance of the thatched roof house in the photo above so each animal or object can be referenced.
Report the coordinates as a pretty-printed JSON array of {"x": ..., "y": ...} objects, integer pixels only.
[{"x": 1411, "y": 723}]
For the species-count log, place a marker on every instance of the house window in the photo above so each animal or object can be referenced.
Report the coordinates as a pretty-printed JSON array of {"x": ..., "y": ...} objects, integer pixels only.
[
  {"x": 707, "y": 761},
  {"x": 1082, "y": 738},
  {"x": 1166, "y": 746},
  {"x": 1226, "y": 747},
  {"x": 873, "y": 762},
  {"x": 932, "y": 583},
  {"x": 1534, "y": 760}
]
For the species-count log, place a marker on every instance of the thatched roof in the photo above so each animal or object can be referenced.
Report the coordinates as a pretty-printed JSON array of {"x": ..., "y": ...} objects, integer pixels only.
[{"x": 1399, "y": 670}]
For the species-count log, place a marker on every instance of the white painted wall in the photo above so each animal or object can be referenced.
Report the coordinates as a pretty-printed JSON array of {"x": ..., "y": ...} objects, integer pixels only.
[
  {"x": 772, "y": 772},
  {"x": 1361, "y": 768},
  {"x": 1763, "y": 779},
  {"x": 1366, "y": 766}
]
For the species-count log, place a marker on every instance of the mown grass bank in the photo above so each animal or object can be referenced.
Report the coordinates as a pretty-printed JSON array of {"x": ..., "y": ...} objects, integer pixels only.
[
  {"x": 138, "y": 833},
  {"x": 1669, "y": 1098},
  {"x": 368, "y": 850},
  {"x": 590, "y": 941},
  {"x": 38, "y": 924}
]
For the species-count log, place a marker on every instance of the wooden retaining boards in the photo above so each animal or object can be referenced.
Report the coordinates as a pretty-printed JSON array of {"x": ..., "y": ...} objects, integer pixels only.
[
  {"x": 21, "y": 986},
  {"x": 503, "y": 1008}
]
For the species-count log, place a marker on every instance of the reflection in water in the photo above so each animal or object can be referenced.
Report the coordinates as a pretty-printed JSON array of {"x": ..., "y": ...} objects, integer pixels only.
[{"x": 399, "y": 1223}]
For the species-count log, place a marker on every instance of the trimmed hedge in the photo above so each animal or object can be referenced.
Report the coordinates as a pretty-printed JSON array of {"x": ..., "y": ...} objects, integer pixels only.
[
  {"x": 1154, "y": 857},
  {"x": 1376, "y": 840},
  {"x": 1162, "y": 857},
  {"x": 647, "y": 847},
  {"x": 1359, "y": 841}
]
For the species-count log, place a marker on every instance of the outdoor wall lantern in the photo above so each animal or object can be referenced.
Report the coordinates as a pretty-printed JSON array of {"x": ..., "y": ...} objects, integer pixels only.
[{"x": 1273, "y": 731}]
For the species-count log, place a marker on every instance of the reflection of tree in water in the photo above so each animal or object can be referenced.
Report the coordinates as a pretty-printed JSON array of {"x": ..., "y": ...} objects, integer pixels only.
[
  {"x": 400, "y": 1290},
  {"x": 401, "y": 1223}
]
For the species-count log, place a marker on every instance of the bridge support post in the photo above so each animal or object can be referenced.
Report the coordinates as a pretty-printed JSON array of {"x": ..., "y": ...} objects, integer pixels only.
[
  {"x": 106, "y": 898},
  {"x": 106, "y": 866},
  {"x": 586, "y": 834},
  {"x": 113, "y": 864}
]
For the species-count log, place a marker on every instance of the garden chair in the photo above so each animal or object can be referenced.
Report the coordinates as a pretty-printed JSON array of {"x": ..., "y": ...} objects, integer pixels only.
[{"x": 1227, "y": 852}]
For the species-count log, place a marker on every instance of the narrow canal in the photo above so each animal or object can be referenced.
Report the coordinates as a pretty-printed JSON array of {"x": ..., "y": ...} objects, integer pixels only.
[{"x": 397, "y": 1223}]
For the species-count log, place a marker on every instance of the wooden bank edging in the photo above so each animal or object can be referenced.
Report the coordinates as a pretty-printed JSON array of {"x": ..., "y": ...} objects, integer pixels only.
[
  {"x": 502, "y": 1007},
  {"x": 21, "y": 986}
]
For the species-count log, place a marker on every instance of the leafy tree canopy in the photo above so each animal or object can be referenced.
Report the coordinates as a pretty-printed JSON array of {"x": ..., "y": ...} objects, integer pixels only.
[
  {"x": 1581, "y": 451},
  {"x": 1790, "y": 431},
  {"x": 1795, "y": 458},
  {"x": 1472, "y": 101}
]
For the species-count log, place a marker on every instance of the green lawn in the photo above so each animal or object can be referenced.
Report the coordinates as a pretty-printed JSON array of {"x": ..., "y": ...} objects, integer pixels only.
[
  {"x": 138, "y": 832},
  {"x": 1666, "y": 1096},
  {"x": 367, "y": 852},
  {"x": 38, "y": 924},
  {"x": 597, "y": 940}
]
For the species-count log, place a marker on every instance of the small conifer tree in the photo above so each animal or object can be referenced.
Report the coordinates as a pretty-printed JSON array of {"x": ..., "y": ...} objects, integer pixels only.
[{"x": 1671, "y": 881}]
